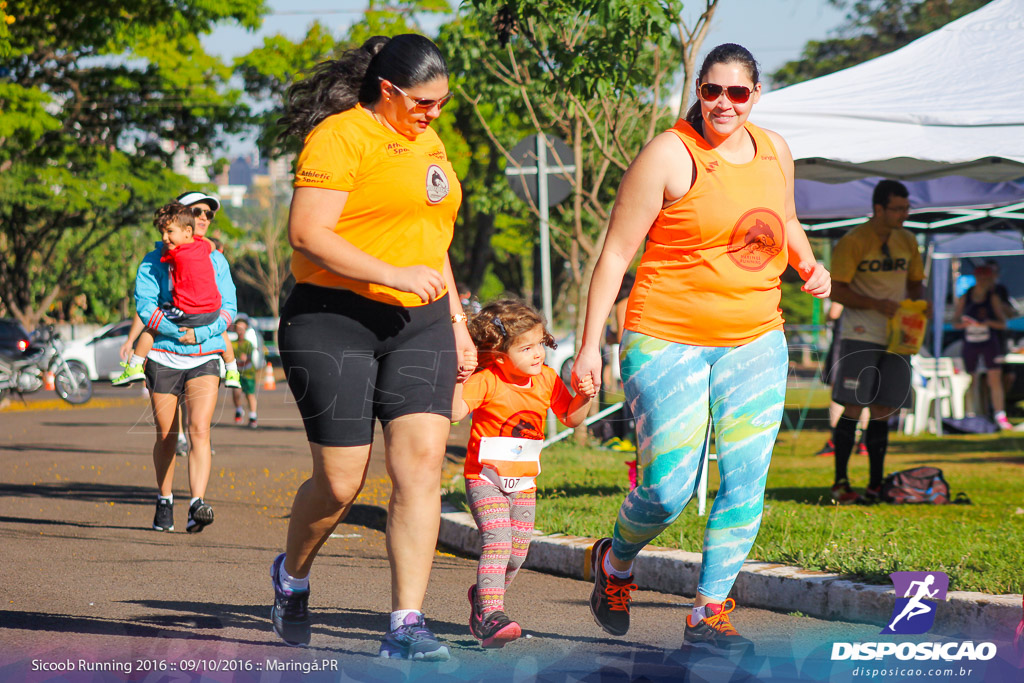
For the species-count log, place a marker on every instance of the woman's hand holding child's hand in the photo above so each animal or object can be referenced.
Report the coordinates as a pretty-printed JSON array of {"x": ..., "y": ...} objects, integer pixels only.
[{"x": 585, "y": 386}]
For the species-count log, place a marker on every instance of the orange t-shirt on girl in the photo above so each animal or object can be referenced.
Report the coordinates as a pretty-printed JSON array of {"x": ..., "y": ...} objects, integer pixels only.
[{"x": 504, "y": 409}]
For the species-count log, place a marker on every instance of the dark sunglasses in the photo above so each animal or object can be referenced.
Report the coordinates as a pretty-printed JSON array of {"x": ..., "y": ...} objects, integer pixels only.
[
  {"x": 709, "y": 92},
  {"x": 420, "y": 102},
  {"x": 197, "y": 212}
]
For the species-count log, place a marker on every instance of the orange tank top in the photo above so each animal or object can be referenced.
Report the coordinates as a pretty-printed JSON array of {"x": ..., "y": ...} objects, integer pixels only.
[{"x": 710, "y": 271}]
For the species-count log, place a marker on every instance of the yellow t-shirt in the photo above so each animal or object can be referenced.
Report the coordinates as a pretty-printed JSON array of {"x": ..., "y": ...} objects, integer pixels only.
[
  {"x": 402, "y": 202},
  {"x": 859, "y": 260}
]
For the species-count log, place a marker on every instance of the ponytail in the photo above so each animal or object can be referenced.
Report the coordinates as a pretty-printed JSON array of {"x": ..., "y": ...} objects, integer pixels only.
[
  {"x": 337, "y": 85},
  {"x": 332, "y": 87}
]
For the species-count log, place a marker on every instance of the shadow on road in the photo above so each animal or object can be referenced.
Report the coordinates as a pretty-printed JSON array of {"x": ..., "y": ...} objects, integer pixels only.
[
  {"x": 85, "y": 491},
  {"x": 61, "y": 448}
]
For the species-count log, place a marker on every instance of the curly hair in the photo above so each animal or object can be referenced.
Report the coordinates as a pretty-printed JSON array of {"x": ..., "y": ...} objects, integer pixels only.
[
  {"x": 495, "y": 328},
  {"x": 175, "y": 213}
]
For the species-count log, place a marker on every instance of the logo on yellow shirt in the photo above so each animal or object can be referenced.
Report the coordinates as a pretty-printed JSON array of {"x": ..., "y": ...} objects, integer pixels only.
[
  {"x": 437, "y": 154},
  {"x": 437, "y": 184},
  {"x": 313, "y": 176},
  {"x": 396, "y": 149},
  {"x": 757, "y": 239}
]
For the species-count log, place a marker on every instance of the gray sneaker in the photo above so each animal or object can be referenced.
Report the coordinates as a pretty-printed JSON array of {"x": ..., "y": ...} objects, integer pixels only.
[
  {"x": 164, "y": 518},
  {"x": 290, "y": 613},
  {"x": 609, "y": 599},
  {"x": 413, "y": 640},
  {"x": 200, "y": 515}
]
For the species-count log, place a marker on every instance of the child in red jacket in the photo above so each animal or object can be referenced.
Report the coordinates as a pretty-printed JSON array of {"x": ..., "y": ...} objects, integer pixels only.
[{"x": 196, "y": 299}]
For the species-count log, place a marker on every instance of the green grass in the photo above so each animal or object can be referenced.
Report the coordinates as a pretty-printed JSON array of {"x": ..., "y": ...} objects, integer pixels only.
[{"x": 979, "y": 545}]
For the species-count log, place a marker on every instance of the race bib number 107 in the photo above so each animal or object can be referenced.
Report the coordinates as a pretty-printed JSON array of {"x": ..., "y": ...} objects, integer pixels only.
[{"x": 509, "y": 463}]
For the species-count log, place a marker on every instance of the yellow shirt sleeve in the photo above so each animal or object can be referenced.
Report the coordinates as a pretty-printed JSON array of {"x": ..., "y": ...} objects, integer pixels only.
[
  {"x": 915, "y": 271},
  {"x": 329, "y": 160},
  {"x": 845, "y": 259}
]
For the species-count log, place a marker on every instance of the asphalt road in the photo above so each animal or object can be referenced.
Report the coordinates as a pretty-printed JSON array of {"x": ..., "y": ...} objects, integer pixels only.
[{"x": 86, "y": 581}]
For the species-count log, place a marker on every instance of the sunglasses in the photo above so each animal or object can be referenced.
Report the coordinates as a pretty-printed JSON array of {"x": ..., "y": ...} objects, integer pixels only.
[
  {"x": 420, "y": 102},
  {"x": 197, "y": 212},
  {"x": 709, "y": 92}
]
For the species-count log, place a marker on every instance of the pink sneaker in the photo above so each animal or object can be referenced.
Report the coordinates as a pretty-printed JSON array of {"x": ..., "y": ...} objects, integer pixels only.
[{"x": 1003, "y": 422}]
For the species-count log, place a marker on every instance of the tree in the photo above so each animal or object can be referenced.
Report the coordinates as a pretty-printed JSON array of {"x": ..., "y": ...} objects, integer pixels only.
[
  {"x": 872, "y": 28},
  {"x": 268, "y": 70},
  {"x": 488, "y": 205},
  {"x": 263, "y": 258},
  {"x": 96, "y": 92},
  {"x": 595, "y": 73}
]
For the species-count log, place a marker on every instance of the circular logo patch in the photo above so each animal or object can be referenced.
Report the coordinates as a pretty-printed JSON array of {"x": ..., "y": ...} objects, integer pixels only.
[
  {"x": 437, "y": 184},
  {"x": 757, "y": 238},
  {"x": 525, "y": 424}
]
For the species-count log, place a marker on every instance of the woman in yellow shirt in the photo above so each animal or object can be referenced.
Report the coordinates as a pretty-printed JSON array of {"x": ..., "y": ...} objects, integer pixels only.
[{"x": 370, "y": 331}]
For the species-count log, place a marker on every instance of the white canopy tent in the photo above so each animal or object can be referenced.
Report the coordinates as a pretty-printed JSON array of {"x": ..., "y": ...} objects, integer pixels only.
[{"x": 942, "y": 105}]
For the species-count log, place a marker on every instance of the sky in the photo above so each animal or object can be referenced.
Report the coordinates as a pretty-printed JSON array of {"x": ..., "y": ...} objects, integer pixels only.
[{"x": 775, "y": 31}]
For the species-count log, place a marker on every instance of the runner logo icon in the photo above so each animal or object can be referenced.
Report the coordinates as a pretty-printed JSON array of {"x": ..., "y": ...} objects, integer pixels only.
[{"x": 917, "y": 594}]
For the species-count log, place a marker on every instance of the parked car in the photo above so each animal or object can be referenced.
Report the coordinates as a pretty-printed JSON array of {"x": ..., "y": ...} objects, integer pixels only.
[
  {"x": 100, "y": 352},
  {"x": 13, "y": 337},
  {"x": 267, "y": 326},
  {"x": 561, "y": 359}
]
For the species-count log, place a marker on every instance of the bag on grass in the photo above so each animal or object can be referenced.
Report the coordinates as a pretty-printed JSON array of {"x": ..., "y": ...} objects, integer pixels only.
[
  {"x": 917, "y": 485},
  {"x": 975, "y": 424}
]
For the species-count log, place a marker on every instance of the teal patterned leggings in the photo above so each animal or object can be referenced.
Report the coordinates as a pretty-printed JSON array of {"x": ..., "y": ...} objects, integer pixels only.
[{"x": 672, "y": 389}]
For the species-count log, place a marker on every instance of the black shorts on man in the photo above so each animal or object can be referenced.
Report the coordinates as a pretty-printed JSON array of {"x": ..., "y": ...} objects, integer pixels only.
[{"x": 866, "y": 374}]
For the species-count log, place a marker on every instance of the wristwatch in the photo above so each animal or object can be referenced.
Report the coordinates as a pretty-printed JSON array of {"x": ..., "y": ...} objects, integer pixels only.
[{"x": 459, "y": 318}]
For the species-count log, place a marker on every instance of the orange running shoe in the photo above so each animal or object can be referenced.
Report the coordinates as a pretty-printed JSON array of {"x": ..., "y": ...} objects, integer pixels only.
[{"x": 715, "y": 632}]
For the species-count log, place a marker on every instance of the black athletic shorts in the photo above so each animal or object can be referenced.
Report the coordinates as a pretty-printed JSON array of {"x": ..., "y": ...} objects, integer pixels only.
[
  {"x": 350, "y": 361},
  {"x": 866, "y": 374},
  {"x": 164, "y": 380}
]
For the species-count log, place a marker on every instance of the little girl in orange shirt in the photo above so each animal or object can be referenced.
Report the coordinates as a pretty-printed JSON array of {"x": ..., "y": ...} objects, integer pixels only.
[{"x": 509, "y": 398}]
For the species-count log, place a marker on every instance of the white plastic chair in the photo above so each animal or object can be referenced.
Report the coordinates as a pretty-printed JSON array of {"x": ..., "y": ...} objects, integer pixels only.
[
  {"x": 702, "y": 485},
  {"x": 933, "y": 381}
]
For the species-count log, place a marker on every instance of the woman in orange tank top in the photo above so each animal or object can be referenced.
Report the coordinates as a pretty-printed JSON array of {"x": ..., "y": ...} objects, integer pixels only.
[{"x": 713, "y": 197}]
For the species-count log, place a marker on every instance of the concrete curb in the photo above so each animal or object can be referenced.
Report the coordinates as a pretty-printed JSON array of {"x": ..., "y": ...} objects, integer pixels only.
[{"x": 759, "y": 584}]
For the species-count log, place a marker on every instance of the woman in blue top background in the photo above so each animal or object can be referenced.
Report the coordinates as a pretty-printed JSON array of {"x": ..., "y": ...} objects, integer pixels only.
[{"x": 182, "y": 362}]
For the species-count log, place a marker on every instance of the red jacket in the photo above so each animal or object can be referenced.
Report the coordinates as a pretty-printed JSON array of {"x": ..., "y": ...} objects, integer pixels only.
[{"x": 193, "y": 284}]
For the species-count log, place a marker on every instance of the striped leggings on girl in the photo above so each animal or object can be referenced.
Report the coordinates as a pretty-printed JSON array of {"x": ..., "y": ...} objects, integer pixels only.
[
  {"x": 672, "y": 389},
  {"x": 505, "y": 521}
]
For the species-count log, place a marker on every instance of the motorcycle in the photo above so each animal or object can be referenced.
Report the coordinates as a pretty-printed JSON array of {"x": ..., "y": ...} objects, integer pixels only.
[{"x": 25, "y": 372}]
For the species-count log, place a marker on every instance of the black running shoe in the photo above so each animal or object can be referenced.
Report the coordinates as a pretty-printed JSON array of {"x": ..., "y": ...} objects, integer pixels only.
[
  {"x": 609, "y": 601},
  {"x": 413, "y": 640},
  {"x": 290, "y": 613},
  {"x": 164, "y": 518},
  {"x": 715, "y": 632},
  {"x": 200, "y": 515},
  {"x": 494, "y": 629}
]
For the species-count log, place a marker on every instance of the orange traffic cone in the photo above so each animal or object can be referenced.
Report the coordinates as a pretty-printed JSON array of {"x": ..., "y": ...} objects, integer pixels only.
[
  {"x": 48, "y": 381},
  {"x": 268, "y": 378}
]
